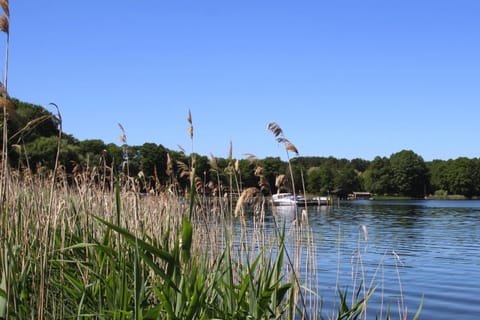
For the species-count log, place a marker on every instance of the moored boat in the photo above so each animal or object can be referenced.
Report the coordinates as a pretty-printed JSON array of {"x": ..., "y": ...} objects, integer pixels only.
[{"x": 290, "y": 199}]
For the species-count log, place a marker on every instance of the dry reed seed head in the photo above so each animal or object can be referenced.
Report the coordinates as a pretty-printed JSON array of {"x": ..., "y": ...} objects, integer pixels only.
[
  {"x": 5, "y": 7},
  {"x": 263, "y": 183},
  {"x": 244, "y": 197},
  {"x": 258, "y": 170},
  {"x": 198, "y": 184},
  {"x": 282, "y": 140},
  {"x": 169, "y": 170},
  {"x": 121, "y": 127},
  {"x": 211, "y": 185},
  {"x": 275, "y": 129},
  {"x": 124, "y": 166},
  {"x": 189, "y": 119},
  {"x": 291, "y": 147},
  {"x": 4, "y": 24},
  {"x": 237, "y": 165},
  {"x": 123, "y": 137},
  {"x": 77, "y": 168},
  {"x": 213, "y": 162},
  {"x": 281, "y": 180},
  {"x": 183, "y": 168},
  {"x": 190, "y": 131}
]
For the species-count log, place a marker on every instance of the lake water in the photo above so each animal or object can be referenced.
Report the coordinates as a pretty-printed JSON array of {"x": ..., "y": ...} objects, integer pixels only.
[{"x": 406, "y": 249}]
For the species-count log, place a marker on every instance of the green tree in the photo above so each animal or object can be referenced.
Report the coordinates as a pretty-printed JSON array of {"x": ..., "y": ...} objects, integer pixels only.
[
  {"x": 314, "y": 180},
  {"x": 153, "y": 158},
  {"x": 438, "y": 172},
  {"x": 347, "y": 179},
  {"x": 409, "y": 173},
  {"x": 378, "y": 176},
  {"x": 91, "y": 152},
  {"x": 360, "y": 165},
  {"x": 463, "y": 176},
  {"x": 114, "y": 156},
  {"x": 41, "y": 154},
  {"x": 320, "y": 179}
]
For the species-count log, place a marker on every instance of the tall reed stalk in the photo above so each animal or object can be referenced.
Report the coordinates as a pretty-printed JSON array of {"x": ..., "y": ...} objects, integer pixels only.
[
  {"x": 5, "y": 28},
  {"x": 4, "y": 175}
]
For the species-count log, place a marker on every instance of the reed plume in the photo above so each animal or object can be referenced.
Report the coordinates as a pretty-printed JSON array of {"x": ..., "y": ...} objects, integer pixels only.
[
  {"x": 190, "y": 127},
  {"x": 280, "y": 137},
  {"x": 123, "y": 140},
  {"x": 246, "y": 195}
]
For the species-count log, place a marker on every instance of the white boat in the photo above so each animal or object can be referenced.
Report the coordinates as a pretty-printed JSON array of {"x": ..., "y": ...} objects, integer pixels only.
[{"x": 290, "y": 199}]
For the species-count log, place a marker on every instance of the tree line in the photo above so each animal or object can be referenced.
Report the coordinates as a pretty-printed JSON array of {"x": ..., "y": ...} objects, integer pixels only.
[{"x": 33, "y": 146}]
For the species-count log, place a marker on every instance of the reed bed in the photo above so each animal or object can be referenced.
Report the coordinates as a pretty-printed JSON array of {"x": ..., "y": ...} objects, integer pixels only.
[
  {"x": 119, "y": 255},
  {"x": 88, "y": 253}
]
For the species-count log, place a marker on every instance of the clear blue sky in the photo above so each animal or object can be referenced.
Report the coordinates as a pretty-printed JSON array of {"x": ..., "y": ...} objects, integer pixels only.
[{"x": 342, "y": 78}]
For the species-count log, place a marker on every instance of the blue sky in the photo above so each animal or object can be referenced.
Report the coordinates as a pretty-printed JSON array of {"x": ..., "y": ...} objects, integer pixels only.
[{"x": 349, "y": 79}]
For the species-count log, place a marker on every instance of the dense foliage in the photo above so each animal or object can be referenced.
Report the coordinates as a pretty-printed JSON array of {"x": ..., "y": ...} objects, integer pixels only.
[{"x": 35, "y": 132}]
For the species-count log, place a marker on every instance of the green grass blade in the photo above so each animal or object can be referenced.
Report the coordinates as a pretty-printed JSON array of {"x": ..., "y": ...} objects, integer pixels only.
[
  {"x": 420, "y": 308},
  {"x": 133, "y": 240},
  {"x": 3, "y": 296},
  {"x": 187, "y": 235}
]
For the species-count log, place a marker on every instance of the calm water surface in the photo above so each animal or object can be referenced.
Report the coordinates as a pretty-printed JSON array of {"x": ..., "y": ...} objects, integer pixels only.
[{"x": 410, "y": 250}]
